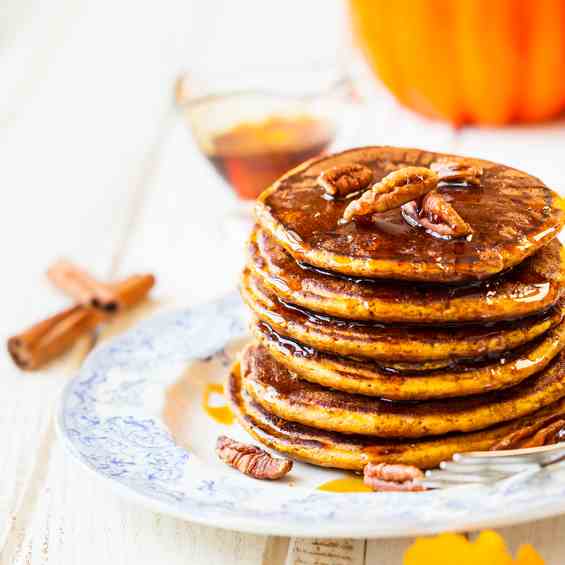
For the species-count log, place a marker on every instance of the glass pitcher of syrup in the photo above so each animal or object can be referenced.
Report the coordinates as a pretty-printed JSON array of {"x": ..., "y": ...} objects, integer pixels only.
[{"x": 255, "y": 125}]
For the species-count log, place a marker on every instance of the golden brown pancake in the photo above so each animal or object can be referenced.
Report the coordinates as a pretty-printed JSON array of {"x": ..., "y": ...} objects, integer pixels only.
[
  {"x": 368, "y": 378},
  {"x": 531, "y": 287},
  {"x": 282, "y": 393},
  {"x": 331, "y": 449},
  {"x": 512, "y": 215},
  {"x": 388, "y": 342}
]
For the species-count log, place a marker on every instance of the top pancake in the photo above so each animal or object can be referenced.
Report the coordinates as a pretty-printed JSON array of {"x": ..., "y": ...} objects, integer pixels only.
[{"x": 512, "y": 214}]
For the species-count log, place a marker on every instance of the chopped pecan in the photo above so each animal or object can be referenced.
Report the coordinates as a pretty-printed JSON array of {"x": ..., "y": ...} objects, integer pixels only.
[
  {"x": 514, "y": 439},
  {"x": 251, "y": 460},
  {"x": 345, "y": 179},
  {"x": 457, "y": 171},
  {"x": 437, "y": 216},
  {"x": 392, "y": 191},
  {"x": 544, "y": 432},
  {"x": 552, "y": 433},
  {"x": 384, "y": 477}
]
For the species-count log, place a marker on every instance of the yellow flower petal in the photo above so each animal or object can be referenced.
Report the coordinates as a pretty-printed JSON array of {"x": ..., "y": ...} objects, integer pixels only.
[
  {"x": 454, "y": 549},
  {"x": 490, "y": 549},
  {"x": 527, "y": 555},
  {"x": 445, "y": 549}
]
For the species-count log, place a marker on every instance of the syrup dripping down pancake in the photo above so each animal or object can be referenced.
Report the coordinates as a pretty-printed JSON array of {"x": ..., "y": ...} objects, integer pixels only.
[
  {"x": 531, "y": 287},
  {"x": 399, "y": 343},
  {"x": 353, "y": 452},
  {"x": 282, "y": 393},
  {"x": 368, "y": 378}
]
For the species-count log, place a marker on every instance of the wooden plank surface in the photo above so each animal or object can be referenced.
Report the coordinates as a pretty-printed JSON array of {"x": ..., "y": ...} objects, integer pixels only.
[{"x": 97, "y": 168}]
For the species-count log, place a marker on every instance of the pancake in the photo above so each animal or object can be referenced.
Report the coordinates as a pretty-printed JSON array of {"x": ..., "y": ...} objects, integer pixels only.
[
  {"x": 282, "y": 393},
  {"x": 532, "y": 287},
  {"x": 368, "y": 378},
  {"x": 399, "y": 343},
  {"x": 353, "y": 452},
  {"x": 512, "y": 215}
]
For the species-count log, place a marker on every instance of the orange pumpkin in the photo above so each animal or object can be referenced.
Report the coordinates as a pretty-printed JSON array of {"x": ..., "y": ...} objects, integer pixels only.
[{"x": 468, "y": 61}]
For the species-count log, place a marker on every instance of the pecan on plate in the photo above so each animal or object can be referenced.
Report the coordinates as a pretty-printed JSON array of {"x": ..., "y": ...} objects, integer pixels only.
[
  {"x": 437, "y": 216},
  {"x": 383, "y": 477},
  {"x": 251, "y": 460},
  {"x": 457, "y": 172},
  {"x": 392, "y": 191},
  {"x": 345, "y": 179}
]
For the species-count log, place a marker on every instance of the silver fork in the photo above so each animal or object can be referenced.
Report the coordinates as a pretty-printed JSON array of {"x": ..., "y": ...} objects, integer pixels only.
[{"x": 484, "y": 467}]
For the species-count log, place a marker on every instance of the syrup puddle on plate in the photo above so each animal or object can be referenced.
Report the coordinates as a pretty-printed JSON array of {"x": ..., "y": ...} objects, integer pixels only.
[
  {"x": 214, "y": 404},
  {"x": 346, "y": 484},
  {"x": 196, "y": 410},
  {"x": 196, "y": 406}
]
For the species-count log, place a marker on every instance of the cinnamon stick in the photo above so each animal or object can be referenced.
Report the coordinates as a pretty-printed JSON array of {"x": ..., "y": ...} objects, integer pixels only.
[
  {"x": 82, "y": 286},
  {"x": 133, "y": 290},
  {"x": 48, "y": 339},
  {"x": 34, "y": 347}
]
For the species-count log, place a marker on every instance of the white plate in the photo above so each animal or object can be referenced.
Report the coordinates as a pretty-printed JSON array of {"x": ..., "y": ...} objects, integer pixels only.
[{"x": 135, "y": 416}]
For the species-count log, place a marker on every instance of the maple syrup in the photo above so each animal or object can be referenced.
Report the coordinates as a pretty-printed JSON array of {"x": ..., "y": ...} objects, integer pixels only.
[
  {"x": 252, "y": 155},
  {"x": 346, "y": 484},
  {"x": 221, "y": 414},
  {"x": 512, "y": 215}
]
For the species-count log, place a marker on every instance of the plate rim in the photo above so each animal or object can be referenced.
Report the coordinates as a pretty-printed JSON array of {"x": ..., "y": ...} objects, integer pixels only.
[{"x": 261, "y": 526}]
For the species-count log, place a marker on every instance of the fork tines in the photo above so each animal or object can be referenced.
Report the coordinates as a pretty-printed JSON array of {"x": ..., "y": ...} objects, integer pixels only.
[{"x": 484, "y": 467}]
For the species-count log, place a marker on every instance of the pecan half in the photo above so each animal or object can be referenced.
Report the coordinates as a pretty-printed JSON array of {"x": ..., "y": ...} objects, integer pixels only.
[
  {"x": 345, "y": 179},
  {"x": 457, "y": 172},
  {"x": 251, "y": 460},
  {"x": 383, "y": 477},
  {"x": 392, "y": 191},
  {"x": 441, "y": 213},
  {"x": 437, "y": 216}
]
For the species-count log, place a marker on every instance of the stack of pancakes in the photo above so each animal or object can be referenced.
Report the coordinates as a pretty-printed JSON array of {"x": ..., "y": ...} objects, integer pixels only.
[{"x": 377, "y": 341}]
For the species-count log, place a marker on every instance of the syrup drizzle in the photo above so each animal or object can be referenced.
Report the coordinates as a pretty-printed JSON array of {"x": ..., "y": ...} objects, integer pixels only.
[
  {"x": 346, "y": 484},
  {"x": 221, "y": 414}
]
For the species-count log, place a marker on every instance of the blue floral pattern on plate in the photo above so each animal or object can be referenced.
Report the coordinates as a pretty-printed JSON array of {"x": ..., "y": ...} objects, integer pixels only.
[{"x": 107, "y": 423}]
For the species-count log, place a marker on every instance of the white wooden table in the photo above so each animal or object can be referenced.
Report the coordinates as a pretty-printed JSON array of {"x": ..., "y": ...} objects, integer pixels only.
[{"x": 95, "y": 166}]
